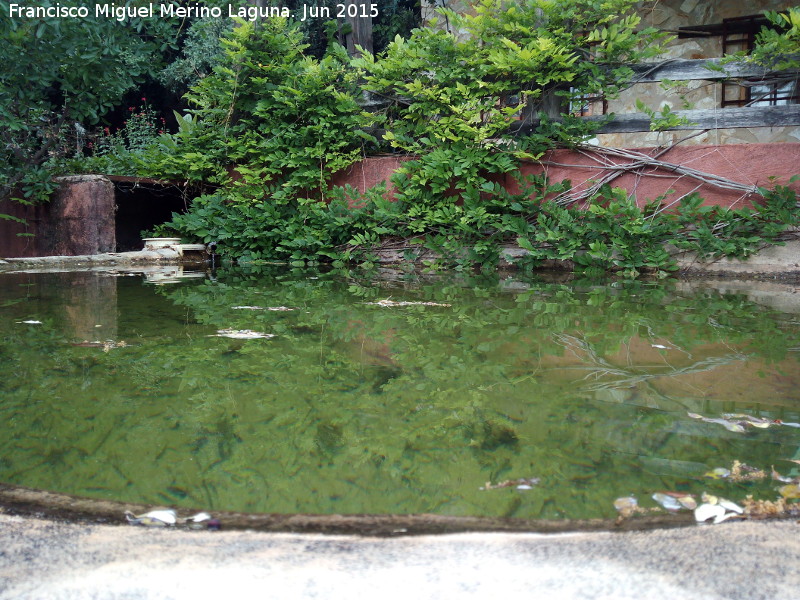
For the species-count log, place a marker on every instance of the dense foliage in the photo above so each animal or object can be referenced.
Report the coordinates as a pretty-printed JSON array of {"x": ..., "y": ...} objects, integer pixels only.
[
  {"x": 59, "y": 76},
  {"x": 778, "y": 47},
  {"x": 272, "y": 120},
  {"x": 451, "y": 100},
  {"x": 611, "y": 233},
  {"x": 454, "y": 96}
]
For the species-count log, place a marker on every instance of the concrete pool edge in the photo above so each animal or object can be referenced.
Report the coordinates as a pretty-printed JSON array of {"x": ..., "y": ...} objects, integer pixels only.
[
  {"x": 773, "y": 262},
  {"x": 28, "y": 502},
  {"x": 123, "y": 260},
  {"x": 70, "y": 561}
]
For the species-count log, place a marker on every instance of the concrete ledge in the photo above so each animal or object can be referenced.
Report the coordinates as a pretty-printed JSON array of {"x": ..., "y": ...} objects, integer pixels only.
[
  {"x": 781, "y": 260},
  {"x": 773, "y": 262},
  {"x": 41, "y": 503},
  {"x": 162, "y": 256},
  {"x": 61, "y": 561}
]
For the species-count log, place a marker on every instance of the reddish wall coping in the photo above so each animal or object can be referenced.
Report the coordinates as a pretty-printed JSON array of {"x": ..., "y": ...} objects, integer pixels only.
[{"x": 748, "y": 164}]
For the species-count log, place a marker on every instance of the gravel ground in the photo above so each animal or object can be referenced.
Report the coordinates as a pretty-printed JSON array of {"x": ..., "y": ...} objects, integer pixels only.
[{"x": 44, "y": 559}]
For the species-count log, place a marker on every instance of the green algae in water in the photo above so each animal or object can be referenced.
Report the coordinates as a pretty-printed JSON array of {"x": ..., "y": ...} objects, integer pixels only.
[{"x": 124, "y": 391}]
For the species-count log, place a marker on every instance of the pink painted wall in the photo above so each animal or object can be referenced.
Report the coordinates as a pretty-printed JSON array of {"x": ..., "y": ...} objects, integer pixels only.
[
  {"x": 81, "y": 217},
  {"x": 748, "y": 164}
]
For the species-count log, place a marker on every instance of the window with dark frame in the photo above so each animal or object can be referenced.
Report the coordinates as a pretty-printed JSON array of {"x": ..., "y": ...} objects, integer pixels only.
[
  {"x": 739, "y": 34},
  {"x": 587, "y": 105}
]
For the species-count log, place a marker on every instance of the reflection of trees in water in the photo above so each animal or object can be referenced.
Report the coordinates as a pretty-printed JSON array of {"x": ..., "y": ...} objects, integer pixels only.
[{"x": 407, "y": 404}]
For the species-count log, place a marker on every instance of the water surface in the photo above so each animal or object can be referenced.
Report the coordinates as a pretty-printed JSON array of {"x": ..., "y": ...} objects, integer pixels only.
[{"x": 123, "y": 391}]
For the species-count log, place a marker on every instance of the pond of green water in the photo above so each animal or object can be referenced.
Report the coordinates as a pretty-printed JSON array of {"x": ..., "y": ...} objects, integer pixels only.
[{"x": 377, "y": 396}]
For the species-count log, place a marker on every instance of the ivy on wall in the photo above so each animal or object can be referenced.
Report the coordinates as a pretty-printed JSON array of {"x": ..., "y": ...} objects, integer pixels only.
[
  {"x": 271, "y": 123},
  {"x": 448, "y": 101}
]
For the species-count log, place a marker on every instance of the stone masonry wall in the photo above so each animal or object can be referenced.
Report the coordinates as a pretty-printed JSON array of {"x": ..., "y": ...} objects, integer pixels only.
[{"x": 669, "y": 15}]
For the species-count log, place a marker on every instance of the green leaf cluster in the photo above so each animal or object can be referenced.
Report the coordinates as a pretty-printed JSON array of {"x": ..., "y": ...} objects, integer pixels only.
[
  {"x": 279, "y": 122},
  {"x": 778, "y": 46},
  {"x": 58, "y": 75},
  {"x": 273, "y": 125},
  {"x": 454, "y": 93},
  {"x": 663, "y": 119},
  {"x": 714, "y": 231},
  {"x": 611, "y": 233}
]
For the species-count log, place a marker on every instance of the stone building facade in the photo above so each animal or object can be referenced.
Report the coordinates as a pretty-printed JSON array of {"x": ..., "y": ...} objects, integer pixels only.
[
  {"x": 677, "y": 16},
  {"x": 703, "y": 29}
]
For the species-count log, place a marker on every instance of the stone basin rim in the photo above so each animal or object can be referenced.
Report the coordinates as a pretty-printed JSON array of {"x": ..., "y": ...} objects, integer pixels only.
[{"x": 29, "y": 502}]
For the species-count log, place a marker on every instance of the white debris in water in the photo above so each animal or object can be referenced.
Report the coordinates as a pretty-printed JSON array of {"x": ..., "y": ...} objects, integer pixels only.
[
  {"x": 199, "y": 517},
  {"x": 759, "y": 422},
  {"x": 666, "y": 501},
  {"x": 737, "y": 422},
  {"x": 275, "y": 308},
  {"x": 524, "y": 483},
  {"x": 706, "y": 511},
  {"x": 627, "y": 506},
  {"x": 721, "y": 509},
  {"x": 111, "y": 344},
  {"x": 242, "y": 334},
  {"x": 731, "y": 506},
  {"x": 736, "y": 427},
  {"x": 404, "y": 303},
  {"x": 154, "y": 518},
  {"x": 105, "y": 345}
]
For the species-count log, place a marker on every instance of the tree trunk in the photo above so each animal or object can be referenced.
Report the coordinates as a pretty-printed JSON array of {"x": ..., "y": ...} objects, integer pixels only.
[{"x": 360, "y": 34}]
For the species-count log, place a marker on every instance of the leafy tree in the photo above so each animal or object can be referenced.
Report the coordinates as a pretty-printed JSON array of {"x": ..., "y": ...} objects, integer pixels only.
[
  {"x": 271, "y": 125},
  {"x": 60, "y": 74},
  {"x": 778, "y": 47},
  {"x": 200, "y": 52},
  {"x": 455, "y": 93},
  {"x": 283, "y": 121}
]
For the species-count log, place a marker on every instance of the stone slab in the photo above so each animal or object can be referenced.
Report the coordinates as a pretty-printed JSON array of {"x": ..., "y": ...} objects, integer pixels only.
[{"x": 50, "y": 560}]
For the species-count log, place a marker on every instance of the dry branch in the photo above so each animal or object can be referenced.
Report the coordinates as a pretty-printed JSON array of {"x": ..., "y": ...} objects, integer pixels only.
[{"x": 640, "y": 164}]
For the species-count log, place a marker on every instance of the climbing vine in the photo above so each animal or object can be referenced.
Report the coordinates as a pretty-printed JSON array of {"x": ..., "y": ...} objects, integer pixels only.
[
  {"x": 454, "y": 94},
  {"x": 466, "y": 100},
  {"x": 448, "y": 106}
]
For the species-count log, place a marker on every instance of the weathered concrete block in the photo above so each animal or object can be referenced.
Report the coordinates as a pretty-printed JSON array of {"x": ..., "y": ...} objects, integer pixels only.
[{"x": 79, "y": 219}]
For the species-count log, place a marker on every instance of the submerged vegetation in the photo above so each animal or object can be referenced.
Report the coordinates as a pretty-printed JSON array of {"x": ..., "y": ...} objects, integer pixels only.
[{"x": 349, "y": 403}]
